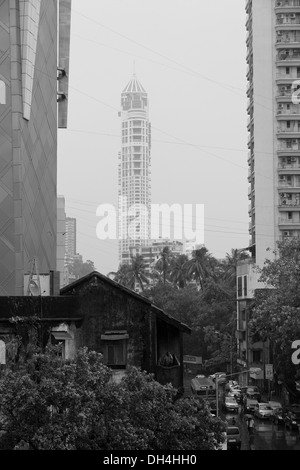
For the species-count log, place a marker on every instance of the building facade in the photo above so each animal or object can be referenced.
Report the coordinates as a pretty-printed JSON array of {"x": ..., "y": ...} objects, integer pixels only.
[
  {"x": 273, "y": 74},
  {"x": 70, "y": 237},
  {"x": 152, "y": 252},
  {"x": 33, "y": 103},
  {"x": 134, "y": 176}
]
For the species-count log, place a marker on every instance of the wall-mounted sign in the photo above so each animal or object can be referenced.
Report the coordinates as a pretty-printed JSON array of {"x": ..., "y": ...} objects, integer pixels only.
[
  {"x": 2, "y": 352},
  {"x": 269, "y": 371}
]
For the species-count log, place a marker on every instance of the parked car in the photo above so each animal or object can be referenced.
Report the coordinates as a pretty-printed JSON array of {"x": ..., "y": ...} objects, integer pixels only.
[
  {"x": 263, "y": 411},
  {"x": 253, "y": 392},
  {"x": 275, "y": 405},
  {"x": 221, "y": 376},
  {"x": 292, "y": 417},
  {"x": 278, "y": 416},
  {"x": 233, "y": 438},
  {"x": 237, "y": 396},
  {"x": 251, "y": 404},
  {"x": 230, "y": 404}
]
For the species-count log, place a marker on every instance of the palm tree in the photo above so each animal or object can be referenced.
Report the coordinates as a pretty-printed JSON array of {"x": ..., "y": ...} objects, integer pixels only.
[
  {"x": 133, "y": 274},
  {"x": 163, "y": 263},
  {"x": 200, "y": 266},
  {"x": 120, "y": 276},
  {"x": 178, "y": 273},
  {"x": 230, "y": 264}
]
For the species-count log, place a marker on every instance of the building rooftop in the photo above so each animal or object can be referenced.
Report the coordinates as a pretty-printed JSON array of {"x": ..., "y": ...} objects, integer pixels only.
[{"x": 134, "y": 86}]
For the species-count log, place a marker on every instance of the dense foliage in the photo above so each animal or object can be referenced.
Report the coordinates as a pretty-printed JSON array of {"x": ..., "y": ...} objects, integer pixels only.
[
  {"x": 276, "y": 313},
  {"x": 75, "y": 405},
  {"x": 79, "y": 268}
]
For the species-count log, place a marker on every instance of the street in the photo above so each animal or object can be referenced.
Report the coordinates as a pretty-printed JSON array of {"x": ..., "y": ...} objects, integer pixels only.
[{"x": 267, "y": 436}]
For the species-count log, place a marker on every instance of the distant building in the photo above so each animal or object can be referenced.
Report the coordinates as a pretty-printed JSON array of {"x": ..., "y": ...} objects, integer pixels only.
[
  {"x": 152, "y": 253},
  {"x": 134, "y": 170},
  {"x": 61, "y": 234},
  {"x": 70, "y": 238},
  {"x": 34, "y": 69}
]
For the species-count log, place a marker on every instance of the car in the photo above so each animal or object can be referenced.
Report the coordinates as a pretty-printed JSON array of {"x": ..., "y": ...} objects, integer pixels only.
[
  {"x": 251, "y": 404},
  {"x": 236, "y": 395},
  {"x": 233, "y": 438},
  {"x": 278, "y": 417},
  {"x": 263, "y": 411},
  {"x": 253, "y": 392},
  {"x": 292, "y": 417},
  {"x": 230, "y": 404},
  {"x": 221, "y": 376},
  {"x": 275, "y": 405}
]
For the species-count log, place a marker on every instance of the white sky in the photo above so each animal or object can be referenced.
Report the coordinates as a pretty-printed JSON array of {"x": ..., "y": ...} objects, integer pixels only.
[{"x": 190, "y": 56}]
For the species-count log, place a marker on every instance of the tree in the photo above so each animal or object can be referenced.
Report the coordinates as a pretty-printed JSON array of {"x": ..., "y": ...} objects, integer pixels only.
[
  {"x": 200, "y": 266},
  {"x": 133, "y": 274},
  {"x": 230, "y": 264},
  {"x": 163, "y": 263},
  {"x": 75, "y": 405},
  {"x": 178, "y": 270},
  {"x": 275, "y": 314},
  {"x": 80, "y": 268}
]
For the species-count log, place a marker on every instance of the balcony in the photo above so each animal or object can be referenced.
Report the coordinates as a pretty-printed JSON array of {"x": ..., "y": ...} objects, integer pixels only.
[
  {"x": 286, "y": 41},
  {"x": 284, "y": 113},
  {"x": 287, "y": 20},
  {"x": 287, "y": 222},
  {"x": 289, "y": 166},
  {"x": 286, "y": 5},
  {"x": 289, "y": 204},
  {"x": 287, "y": 57},
  {"x": 284, "y": 132}
]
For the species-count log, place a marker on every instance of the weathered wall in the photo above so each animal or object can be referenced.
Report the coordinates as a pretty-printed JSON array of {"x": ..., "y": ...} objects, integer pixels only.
[{"x": 106, "y": 308}]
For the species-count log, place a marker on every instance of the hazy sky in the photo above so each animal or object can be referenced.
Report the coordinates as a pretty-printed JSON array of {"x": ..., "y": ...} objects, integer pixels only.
[{"x": 190, "y": 56}]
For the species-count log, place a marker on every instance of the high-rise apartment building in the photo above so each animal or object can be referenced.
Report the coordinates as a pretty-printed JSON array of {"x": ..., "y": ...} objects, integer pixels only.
[
  {"x": 134, "y": 170},
  {"x": 61, "y": 234},
  {"x": 273, "y": 57},
  {"x": 70, "y": 237},
  {"x": 273, "y": 73},
  {"x": 34, "y": 63}
]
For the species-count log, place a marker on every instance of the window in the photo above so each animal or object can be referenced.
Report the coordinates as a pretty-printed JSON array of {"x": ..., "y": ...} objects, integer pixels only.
[
  {"x": 245, "y": 286},
  {"x": 2, "y": 92},
  {"x": 256, "y": 356},
  {"x": 115, "y": 348},
  {"x": 60, "y": 338},
  {"x": 240, "y": 286},
  {"x": 287, "y": 70}
]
